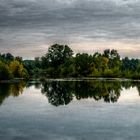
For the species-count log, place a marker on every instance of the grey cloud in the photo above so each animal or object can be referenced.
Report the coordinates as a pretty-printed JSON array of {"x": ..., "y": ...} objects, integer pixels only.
[{"x": 29, "y": 23}]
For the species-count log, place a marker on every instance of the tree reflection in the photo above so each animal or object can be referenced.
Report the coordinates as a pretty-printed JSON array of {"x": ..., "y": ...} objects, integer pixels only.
[
  {"x": 109, "y": 91},
  {"x": 14, "y": 90},
  {"x": 58, "y": 93},
  {"x": 62, "y": 93}
]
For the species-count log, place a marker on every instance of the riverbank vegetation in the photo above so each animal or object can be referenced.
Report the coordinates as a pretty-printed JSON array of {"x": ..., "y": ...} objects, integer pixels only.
[
  {"x": 12, "y": 67},
  {"x": 60, "y": 61}
]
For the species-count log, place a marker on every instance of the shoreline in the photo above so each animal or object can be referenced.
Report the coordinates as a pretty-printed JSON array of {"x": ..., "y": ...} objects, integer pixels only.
[
  {"x": 17, "y": 80},
  {"x": 85, "y": 79}
]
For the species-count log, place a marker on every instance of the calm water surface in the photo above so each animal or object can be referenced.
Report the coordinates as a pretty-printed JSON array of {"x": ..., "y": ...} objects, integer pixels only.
[{"x": 70, "y": 110}]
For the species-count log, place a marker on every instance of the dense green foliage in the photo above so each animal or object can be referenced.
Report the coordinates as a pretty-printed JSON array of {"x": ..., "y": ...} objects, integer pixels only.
[
  {"x": 60, "y": 61},
  {"x": 11, "y": 67}
]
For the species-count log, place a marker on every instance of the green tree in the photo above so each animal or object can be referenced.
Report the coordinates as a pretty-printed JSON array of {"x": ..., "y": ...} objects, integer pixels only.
[
  {"x": 83, "y": 64},
  {"x": 17, "y": 69},
  {"x": 113, "y": 56},
  {"x": 57, "y": 55},
  {"x": 5, "y": 73}
]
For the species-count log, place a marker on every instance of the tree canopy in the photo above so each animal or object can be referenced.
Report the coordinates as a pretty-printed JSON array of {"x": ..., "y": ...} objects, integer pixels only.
[
  {"x": 59, "y": 61},
  {"x": 57, "y": 55}
]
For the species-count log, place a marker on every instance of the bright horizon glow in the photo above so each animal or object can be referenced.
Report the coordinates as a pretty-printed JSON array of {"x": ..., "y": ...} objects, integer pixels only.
[{"x": 128, "y": 50}]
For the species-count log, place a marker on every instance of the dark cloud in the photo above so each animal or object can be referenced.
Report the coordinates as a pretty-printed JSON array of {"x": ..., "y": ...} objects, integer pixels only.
[{"x": 30, "y": 24}]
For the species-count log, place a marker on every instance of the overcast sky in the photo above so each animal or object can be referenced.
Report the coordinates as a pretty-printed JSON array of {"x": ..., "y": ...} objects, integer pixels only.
[{"x": 28, "y": 27}]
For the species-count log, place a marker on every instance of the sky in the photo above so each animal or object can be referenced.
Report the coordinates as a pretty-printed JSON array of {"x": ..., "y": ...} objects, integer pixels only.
[{"x": 29, "y": 27}]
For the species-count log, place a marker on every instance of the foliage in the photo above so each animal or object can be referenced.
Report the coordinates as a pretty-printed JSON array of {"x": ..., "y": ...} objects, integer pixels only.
[
  {"x": 17, "y": 69},
  {"x": 59, "y": 61},
  {"x": 83, "y": 63},
  {"x": 57, "y": 55},
  {"x": 5, "y": 72},
  {"x": 11, "y": 67}
]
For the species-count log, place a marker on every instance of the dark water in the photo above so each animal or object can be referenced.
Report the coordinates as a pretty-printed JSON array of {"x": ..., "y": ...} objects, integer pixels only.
[{"x": 70, "y": 110}]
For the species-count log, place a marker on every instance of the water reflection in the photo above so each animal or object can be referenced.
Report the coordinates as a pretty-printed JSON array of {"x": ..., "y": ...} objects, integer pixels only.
[
  {"x": 63, "y": 92},
  {"x": 14, "y": 90},
  {"x": 58, "y": 93}
]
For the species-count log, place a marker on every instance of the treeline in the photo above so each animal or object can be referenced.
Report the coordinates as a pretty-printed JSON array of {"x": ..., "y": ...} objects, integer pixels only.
[
  {"x": 11, "y": 67},
  {"x": 60, "y": 61}
]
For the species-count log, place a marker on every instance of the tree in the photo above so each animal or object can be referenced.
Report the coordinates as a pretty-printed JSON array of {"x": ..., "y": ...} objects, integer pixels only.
[
  {"x": 113, "y": 56},
  {"x": 83, "y": 63},
  {"x": 17, "y": 69},
  {"x": 18, "y": 58},
  {"x": 68, "y": 68},
  {"x": 129, "y": 64},
  {"x": 104, "y": 63},
  {"x": 37, "y": 62},
  {"x": 5, "y": 73},
  {"x": 57, "y": 55}
]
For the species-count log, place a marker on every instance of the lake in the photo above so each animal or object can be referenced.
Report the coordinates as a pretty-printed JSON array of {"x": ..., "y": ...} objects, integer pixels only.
[{"x": 70, "y": 110}]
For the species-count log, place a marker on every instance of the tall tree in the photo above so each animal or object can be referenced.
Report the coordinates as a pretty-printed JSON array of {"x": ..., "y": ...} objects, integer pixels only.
[{"x": 57, "y": 55}]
